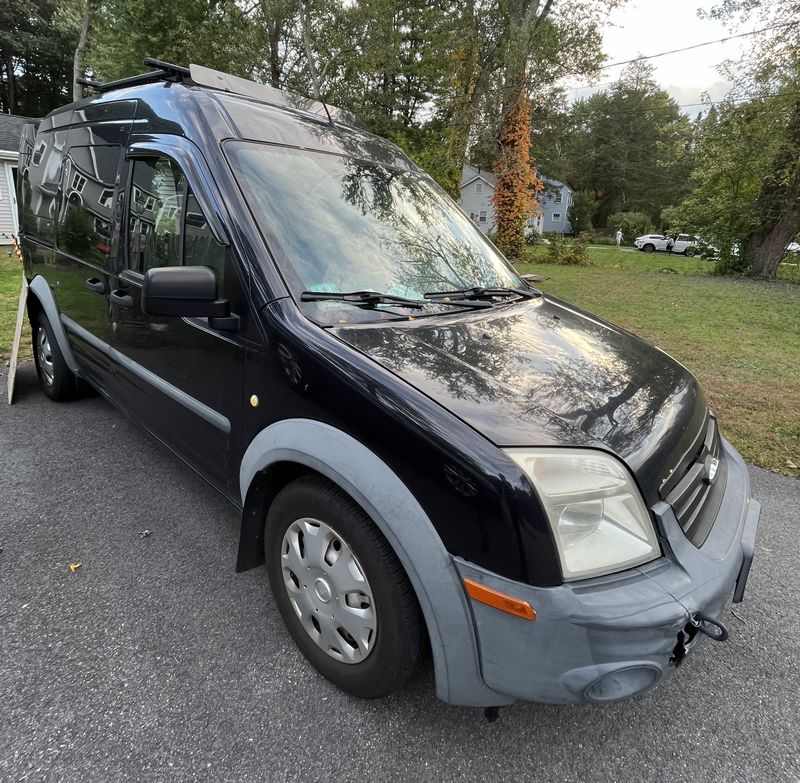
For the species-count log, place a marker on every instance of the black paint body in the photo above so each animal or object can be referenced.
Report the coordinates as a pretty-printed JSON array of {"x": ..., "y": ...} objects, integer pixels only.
[{"x": 434, "y": 398}]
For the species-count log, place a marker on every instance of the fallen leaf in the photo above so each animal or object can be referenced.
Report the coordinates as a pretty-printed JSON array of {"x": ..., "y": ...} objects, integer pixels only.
[
  {"x": 790, "y": 464},
  {"x": 74, "y": 567},
  {"x": 144, "y": 533}
]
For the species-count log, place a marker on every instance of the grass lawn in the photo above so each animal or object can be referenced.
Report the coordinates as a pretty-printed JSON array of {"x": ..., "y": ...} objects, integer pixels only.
[
  {"x": 740, "y": 337},
  {"x": 10, "y": 283}
]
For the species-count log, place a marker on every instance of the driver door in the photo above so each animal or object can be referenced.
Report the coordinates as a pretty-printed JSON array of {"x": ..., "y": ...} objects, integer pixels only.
[{"x": 177, "y": 376}]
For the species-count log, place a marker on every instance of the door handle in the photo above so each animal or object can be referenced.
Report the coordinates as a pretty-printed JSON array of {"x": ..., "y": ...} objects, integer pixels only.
[
  {"x": 93, "y": 284},
  {"x": 120, "y": 298}
]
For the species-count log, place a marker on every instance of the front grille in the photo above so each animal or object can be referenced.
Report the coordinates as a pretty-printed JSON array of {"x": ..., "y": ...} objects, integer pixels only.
[{"x": 696, "y": 497}]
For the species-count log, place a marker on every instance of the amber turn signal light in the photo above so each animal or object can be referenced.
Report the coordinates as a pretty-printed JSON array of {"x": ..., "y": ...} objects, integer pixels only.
[{"x": 505, "y": 603}]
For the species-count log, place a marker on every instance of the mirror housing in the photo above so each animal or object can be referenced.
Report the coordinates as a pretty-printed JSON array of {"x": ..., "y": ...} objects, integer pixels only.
[{"x": 183, "y": 291}]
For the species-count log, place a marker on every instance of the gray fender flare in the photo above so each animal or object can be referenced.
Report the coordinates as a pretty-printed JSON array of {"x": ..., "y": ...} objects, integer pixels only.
[
  {"x": 394, "y": 509},
  {"x": 46, "y": 299}
]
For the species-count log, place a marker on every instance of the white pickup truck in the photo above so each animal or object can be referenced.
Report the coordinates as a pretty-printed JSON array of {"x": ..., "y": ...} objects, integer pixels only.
[{"x": 684, "y": 243}]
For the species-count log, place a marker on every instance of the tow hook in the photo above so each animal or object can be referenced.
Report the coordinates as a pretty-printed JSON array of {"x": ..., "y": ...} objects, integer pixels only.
[
  {"x": 712, "y": 628},
  {"x": 698, "y": 623}
]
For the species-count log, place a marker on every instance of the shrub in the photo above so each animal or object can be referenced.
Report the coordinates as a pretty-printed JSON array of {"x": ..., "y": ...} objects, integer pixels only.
[
  {"x": 567, "y": 252},
  {"x": 633, "y": 224}
]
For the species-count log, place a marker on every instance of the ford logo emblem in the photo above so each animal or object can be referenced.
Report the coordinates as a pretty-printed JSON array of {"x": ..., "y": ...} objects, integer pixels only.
[{"x": 711, "y": 468}]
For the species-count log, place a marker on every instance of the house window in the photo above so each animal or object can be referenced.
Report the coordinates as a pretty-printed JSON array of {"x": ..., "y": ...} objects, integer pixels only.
[
  {"x": 556, "y": 217},
  {"x": 106, "y": 197},
  {"x": 38, "y": 152},
  {"x": 479, "y": 187},
  {"x": 559, "y": 196},
  {"x": 473, "y": 217},
  {"x": 482, "y": 218},
  {"x": 102, "y": 228},
  {"x": 78, "y": 182}
]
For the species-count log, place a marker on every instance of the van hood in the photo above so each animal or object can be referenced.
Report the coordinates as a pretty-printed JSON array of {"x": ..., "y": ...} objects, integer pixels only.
[{"x": 544, "y": 373}]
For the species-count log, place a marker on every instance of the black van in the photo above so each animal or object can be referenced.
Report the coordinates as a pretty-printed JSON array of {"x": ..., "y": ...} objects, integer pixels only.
[{"x": 422, "y": 445}]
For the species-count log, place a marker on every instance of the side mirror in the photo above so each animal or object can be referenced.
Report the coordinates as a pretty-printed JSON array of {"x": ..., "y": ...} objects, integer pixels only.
[{"x": 188, "y": 291}]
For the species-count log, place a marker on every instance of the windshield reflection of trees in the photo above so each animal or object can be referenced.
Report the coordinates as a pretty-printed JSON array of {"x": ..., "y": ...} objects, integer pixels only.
[
  {"x": 600, "y": 382},
  {"x": 423, "y": 242}
]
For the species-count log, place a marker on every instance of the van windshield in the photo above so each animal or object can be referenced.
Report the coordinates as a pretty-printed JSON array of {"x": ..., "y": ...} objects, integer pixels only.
[{"x": 338, "y": 224}]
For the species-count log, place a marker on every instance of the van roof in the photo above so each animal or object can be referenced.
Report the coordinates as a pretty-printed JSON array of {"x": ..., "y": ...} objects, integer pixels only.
[{"x": 205, "y": 105}]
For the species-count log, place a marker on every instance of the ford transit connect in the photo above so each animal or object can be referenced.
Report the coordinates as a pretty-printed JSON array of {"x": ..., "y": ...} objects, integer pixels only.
[{"x": 421, "y": 444}]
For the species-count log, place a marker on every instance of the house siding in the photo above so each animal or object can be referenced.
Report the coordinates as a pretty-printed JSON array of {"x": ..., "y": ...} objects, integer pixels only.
[
  {"x": 551, "y": 215},
  {"x": 8, "y": 225}
]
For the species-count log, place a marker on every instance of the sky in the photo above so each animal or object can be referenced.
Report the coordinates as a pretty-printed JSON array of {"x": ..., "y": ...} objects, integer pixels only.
[{"x": 652, "y": 26}]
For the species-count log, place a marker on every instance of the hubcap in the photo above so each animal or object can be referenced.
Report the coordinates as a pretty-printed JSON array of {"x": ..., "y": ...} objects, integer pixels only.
[
  {"x": 328, "y": 590},
  {"x": 45, "y": 356}
]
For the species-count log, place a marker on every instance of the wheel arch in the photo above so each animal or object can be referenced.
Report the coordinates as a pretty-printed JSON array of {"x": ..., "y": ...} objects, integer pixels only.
[
  {"x": 41, "y": 299},
  {"x": 294, "y": 447}
]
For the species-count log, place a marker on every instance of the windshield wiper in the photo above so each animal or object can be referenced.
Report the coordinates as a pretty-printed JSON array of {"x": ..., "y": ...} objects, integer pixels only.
[
  {"x": 479, "y": 292},
  {"x": 373, "y": 298}
]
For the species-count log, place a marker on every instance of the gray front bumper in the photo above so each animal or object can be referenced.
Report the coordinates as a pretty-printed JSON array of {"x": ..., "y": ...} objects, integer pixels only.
[{"x": 621, "y": 629}]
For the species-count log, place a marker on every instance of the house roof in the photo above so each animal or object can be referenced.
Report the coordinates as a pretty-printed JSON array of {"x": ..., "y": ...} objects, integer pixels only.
[
  {"x": 471, "y": 173},
  {"x": 11, "y": 131}
]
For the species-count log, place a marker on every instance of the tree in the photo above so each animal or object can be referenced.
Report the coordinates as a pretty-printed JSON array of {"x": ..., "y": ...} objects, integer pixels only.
[
  {"x": 770, "y": 74},
  {"x": 581, "y": 210},
  {"x": 36, "y": 54},
  {"x": 736, "y": 143},
  {"x": 216, "y": 33},
  {"x": 631, "y": 147},
  {"x": 516, "y": 183}
]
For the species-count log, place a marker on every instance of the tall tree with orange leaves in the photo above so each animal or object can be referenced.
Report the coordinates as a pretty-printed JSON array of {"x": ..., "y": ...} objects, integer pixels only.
[{"x": 516, "y": 181}]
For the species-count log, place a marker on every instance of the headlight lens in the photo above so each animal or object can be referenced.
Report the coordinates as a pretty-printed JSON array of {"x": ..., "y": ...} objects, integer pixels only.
[{"x": 595, "y": 510}]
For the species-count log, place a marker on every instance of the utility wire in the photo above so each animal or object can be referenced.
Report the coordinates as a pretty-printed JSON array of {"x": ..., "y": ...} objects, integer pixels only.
[
  {"x": 654, "y": 56},
  {"x": 698, "y": 45}
]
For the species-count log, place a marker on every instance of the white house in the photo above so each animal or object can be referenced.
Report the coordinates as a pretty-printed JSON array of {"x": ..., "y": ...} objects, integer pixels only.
[
  {"x": 551, "y": 215},
  {"x": 10, "y": 134}
]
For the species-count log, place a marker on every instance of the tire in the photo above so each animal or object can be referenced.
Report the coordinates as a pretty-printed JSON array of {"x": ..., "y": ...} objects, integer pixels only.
[
  {"x": 649, "y": 248},
  {"x": 56, "y": 379},
  {"x": 689, "y": 252},
  {"x": 311, "y": 527}
]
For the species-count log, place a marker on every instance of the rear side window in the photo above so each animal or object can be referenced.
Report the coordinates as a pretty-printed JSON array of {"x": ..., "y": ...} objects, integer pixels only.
[
  {"x": 157, "y": 197},
  {"x": 40, "y": 184},
  {"x": 85, "y": 220}
]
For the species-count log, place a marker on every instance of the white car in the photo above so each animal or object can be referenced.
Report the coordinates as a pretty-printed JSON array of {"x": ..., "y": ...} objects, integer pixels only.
[{"x": 684, "y": 243}]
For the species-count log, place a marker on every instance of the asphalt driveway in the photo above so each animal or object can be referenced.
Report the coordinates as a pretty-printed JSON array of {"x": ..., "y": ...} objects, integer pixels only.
[{"x": 154, "y": 661}]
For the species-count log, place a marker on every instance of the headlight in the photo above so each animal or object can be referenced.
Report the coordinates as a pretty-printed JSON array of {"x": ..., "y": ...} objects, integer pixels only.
[{"x": 597, "y": 515}]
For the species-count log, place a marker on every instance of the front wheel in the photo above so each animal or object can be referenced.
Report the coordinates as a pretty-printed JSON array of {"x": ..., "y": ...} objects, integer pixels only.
[
  {"x": 341, "y": 590},
  {"x": 649, "y": 248},
  {"x": 689, "y": 252}
]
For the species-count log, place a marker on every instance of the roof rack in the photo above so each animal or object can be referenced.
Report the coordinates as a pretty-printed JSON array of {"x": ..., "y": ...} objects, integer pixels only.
[
  {"x": 218, "y": 80},
  {"x": 164, "y": 72}
]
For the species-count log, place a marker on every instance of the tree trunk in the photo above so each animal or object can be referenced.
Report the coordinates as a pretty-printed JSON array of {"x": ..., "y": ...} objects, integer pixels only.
[
  {"x": 274, "y": 55},
  {"x": 80, "y": 51},
  {"x": 777, "y": 209},
  {"x": 9, "y": 65},
  {"x": 765, "y": 250}
]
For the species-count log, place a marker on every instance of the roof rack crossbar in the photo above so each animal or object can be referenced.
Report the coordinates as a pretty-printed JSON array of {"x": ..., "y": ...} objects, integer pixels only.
[
  {"x": 170, "y": 68},
  {"x": 165, "y": 71}
]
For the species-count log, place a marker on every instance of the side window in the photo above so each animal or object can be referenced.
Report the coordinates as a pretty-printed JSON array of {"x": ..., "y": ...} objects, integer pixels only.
[
  {"x": 40, "y": 185},
  {"x": 85, "y": 221},
  {"x": 155, "y": 214},
  {"x": 199, "y": 246}
]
